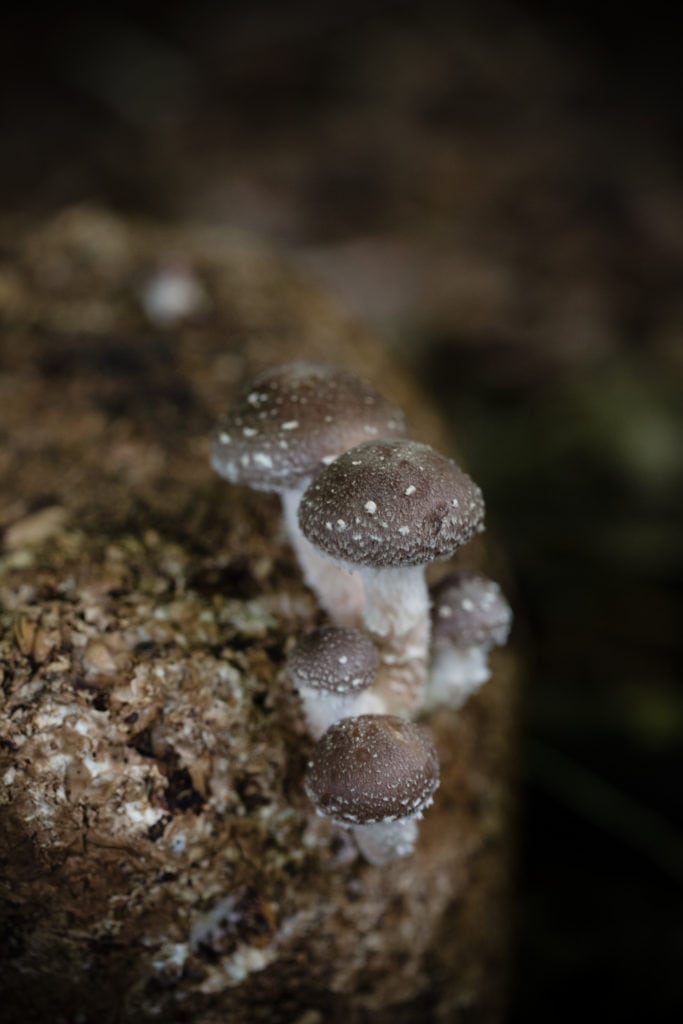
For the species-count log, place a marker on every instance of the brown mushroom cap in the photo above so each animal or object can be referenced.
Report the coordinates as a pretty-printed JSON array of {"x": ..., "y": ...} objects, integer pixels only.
[
  {"x": 468, "y": 609},
  {"x": 394, "y": 503},
  {"x": 373, "y": 768},
  {"x": 293, "y": 418},
  {"x": 335, "y": 660}
]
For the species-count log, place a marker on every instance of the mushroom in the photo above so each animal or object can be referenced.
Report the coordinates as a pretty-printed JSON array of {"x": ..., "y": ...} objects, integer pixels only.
[
  {"x": 290, "y": 422},
  {"x": 470, "y": 615},
  {"x": 386, "y": 509},
  {"x": 375, "y": 774},
  {"x": 333, "y": 669}
]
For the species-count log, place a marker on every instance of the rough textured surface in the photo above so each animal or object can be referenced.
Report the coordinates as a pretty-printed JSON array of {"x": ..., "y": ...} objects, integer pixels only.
[
  {"x": 373, "y": 768},
  {"x": 391, "y": 503},
  {"x": 339, "y": 660},
  {"x": 158, "y": 857}
]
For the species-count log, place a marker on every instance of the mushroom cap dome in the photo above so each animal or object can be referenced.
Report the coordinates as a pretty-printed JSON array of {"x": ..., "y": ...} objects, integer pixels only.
[
  {"x": 469, "y": 609},
  {"x": 391, "y": 503},
  {"x": 373, "y": 768},
  {"x": 292, "y": 419},
  {"x": 334, "y": 659}
]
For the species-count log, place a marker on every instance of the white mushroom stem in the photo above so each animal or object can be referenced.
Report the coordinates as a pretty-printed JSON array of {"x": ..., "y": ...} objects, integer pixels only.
[
  {"x": 456, "y": 673},
  {"x": 397, "y": 618},
  {"x": 385, "y": 841},
  {"x": 324, "y": 709},
  {"x": 339, "y": 591}
]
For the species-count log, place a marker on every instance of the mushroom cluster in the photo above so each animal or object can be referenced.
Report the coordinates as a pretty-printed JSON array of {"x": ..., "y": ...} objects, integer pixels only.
[
  {"x": 386, "y": 509},
  {"x": 366, "y": 510}
]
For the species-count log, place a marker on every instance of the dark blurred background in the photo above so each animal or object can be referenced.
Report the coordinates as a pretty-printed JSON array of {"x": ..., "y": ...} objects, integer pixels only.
[{"x": 494, "y": 188}]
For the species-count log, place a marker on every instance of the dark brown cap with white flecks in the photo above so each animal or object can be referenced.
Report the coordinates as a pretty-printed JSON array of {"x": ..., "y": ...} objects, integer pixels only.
[
  {"x": 469, "y": 609},
  {"x": 293, "y": 419},
  {"x": 395, "y": 503},
  {"x": 373, "y": 768},
  {"x": 335, "y": 660}
]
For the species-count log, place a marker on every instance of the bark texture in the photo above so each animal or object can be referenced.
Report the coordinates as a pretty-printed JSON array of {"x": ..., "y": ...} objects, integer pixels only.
[{"x": 158, "y": 857}]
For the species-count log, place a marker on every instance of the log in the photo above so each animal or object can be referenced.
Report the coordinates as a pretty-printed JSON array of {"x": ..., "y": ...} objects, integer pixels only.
[{"x": 159, "y": 858}]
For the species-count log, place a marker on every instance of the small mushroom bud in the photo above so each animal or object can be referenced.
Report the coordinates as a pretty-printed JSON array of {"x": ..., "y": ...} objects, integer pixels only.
[
  {"x": 375, "y": 774},
  {"x": 287, "y": 425},
  {"x": 333, "y": 669},
  {"x": 385, "y": 509},
  {"x": 469, "y": 616}
]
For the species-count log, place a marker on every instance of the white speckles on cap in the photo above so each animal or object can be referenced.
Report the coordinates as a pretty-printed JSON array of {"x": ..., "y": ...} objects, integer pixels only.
[
  {"x": 424, "y": 518},
  {"x": 468, "y": 609},
  {"x": 373, "y": 768},
  {"x": 334, "y": 659},
  {"x": 320, "y": 410}
]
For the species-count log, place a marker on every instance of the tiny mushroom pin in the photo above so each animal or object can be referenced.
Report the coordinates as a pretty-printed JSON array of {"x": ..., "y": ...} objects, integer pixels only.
[
  {"x": 375, "y": 774},
  {"x": 333, "y": 669},
  {"x": 470, "y": 615},
  {"x": 386, "y": 509},
  {"x": 293, "y": 420}
]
